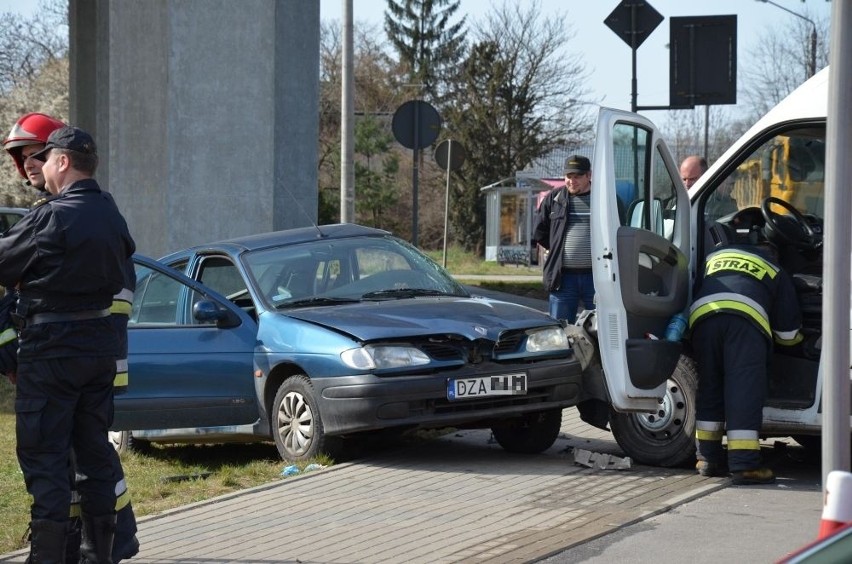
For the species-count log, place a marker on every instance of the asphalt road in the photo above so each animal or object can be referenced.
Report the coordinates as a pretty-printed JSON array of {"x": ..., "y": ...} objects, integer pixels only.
[{"x": 736, "y": 524}]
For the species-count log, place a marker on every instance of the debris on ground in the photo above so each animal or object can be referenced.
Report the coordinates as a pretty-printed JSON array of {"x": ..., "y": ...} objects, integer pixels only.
[
  {"x": 292, "y": 470},
  {"x": 600, "y": 460}
]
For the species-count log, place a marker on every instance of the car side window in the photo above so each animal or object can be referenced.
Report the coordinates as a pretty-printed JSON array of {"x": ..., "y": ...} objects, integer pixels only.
[
  {"x": 156, "y": 298},
  {"x": 221, "y": 275}
]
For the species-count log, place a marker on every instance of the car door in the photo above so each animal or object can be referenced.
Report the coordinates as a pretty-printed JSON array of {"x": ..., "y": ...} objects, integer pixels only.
[
  {"x": 185, "y": 370},
  {"x": 640, "y": 250}
]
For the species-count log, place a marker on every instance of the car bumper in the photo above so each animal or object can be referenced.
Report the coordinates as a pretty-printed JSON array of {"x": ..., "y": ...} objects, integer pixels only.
[{"x": 360, "y": 403}]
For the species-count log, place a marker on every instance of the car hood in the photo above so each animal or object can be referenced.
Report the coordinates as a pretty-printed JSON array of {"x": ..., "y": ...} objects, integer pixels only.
[{"x": 475, "y": 318}]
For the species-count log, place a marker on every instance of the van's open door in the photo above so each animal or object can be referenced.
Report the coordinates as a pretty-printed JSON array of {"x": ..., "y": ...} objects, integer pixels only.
[{"x": 640, "y": 254}]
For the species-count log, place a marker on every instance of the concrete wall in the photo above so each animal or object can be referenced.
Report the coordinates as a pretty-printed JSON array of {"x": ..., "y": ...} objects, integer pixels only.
[{"x": 206, "y": 113}]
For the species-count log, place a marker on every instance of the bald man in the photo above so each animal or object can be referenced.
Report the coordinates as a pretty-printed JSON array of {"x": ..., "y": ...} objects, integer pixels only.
[{"x": 691, "y": 169}]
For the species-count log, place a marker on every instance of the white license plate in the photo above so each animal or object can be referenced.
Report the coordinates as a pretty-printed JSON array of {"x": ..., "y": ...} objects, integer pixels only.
[{"x": 502, "y": 385}]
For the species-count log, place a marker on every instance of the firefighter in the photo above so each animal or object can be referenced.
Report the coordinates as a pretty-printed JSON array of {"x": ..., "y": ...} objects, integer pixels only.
[
  {"x": 745, "y": 301},
  {"x": 28, "y": 136}
]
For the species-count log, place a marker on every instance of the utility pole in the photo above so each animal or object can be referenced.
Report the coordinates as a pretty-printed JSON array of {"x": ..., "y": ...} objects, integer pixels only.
[
  {"x": 347, "y": 120},
  {"x": 812, "y": 61}
]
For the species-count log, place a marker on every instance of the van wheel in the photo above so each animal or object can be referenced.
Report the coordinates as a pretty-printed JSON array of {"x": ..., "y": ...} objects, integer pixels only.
[
  {"x": 529, "y": 434},
  {"x": 667, "y": 436}
]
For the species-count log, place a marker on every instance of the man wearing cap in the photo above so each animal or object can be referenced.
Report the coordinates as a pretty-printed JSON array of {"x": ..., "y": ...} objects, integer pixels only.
[
  {"x": 28, "y": 136},
  {"x": 66, "y": 257},
  {"x": 563, "y": 227}
]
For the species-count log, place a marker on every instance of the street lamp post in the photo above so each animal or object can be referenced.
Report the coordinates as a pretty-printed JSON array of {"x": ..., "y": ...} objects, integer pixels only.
[{"x": 812, "y": 62}]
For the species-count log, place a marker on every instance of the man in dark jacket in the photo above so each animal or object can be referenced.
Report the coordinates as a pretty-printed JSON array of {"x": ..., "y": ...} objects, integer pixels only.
[
  {"x": 744, "y": 303},
  {"x": 67, "y": 258},
  {"x": 27, "y": 137},
  {"x": 563, "y": 227}
]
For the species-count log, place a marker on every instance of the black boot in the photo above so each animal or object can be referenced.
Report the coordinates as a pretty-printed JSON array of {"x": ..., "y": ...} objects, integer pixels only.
[
  {"x": 98, "y": 534},
  {"x": 72, "y": 541},
  {"x": 47, "y": 544},
  {"x": 126, "y": 545}
]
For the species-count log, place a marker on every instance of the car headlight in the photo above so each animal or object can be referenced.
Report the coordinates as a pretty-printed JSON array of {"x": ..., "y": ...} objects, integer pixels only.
[
  {"x": 378, "y": 357},
  {"x": 547, "y": 340}
]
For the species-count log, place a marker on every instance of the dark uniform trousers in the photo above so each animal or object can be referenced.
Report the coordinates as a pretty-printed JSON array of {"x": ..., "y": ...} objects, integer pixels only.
[
  {"x": 63, "y": 403},
  {"x": 125, "y": 544},
  {"x": 733, "y": 355}
]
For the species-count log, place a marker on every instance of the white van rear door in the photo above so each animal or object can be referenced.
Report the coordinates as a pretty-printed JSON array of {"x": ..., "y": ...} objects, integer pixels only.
[{"x": 640, "y": 250}]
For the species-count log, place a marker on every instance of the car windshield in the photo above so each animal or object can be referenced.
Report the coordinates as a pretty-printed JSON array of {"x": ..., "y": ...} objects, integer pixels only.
[{"x": 331, "y": 272}]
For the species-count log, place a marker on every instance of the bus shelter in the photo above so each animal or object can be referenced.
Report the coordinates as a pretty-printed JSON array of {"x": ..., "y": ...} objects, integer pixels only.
[{"x": 510, "y": 206}]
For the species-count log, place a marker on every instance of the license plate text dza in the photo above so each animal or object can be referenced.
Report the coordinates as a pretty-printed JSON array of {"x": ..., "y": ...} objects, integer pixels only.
[{"x": 502, "y": 385}]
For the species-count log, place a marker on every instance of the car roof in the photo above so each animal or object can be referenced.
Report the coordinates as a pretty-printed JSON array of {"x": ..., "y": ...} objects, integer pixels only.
[{"x": 295, "y": 236}]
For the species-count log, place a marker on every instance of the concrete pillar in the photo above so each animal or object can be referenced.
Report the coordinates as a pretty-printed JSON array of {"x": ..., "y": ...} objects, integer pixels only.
[{"x": 206, "y": 113}]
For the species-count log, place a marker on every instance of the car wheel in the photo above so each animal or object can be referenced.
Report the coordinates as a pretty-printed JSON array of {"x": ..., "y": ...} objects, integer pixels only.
[
  {"x": 665, "y": 437},
  {"x": 120, "y": 441},
  {"x": 529, "y": 434},
  {"x": 124, "y": 441},
  {"x": 297, "y": 423}
]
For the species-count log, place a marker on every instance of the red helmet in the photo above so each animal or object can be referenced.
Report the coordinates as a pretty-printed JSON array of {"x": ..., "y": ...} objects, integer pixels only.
[{"x": 30, "y": 129}]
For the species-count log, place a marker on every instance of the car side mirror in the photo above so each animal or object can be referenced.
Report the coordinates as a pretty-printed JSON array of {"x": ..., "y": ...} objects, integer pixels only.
[{"x": 208, "y": 311}]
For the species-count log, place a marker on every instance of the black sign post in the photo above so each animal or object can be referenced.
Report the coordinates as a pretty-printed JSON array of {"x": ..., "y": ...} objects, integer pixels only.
[
  {"x": 415, "y": 125},
  {"x": 449, "y": 156},
  {"x": 633, "y": 21}
]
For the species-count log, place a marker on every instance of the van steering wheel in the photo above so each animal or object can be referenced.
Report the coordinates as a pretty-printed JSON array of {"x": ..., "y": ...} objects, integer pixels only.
[{"x": 797, "y": 231}]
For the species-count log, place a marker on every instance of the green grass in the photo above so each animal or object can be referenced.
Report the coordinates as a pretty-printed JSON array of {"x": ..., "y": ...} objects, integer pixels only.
[
  {"x": 165, "y": 478},
  {"x": 461, "y": 262}
]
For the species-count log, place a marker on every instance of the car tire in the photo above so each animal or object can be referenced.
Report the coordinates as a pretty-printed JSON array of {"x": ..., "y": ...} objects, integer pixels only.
[
  {"x": 297, "y": 425},
  {"x": 124, "y": 441},
  {"x": 667, "y": 437},
  {"x": 531, "y": 433},
  {"x": 120, "y": 441}
]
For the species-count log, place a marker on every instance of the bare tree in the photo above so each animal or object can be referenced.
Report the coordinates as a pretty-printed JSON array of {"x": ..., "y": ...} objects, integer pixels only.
[
  {"x": 778, "y": 62},
  {"x": 519, "y": 94},
  {"x": 33, "y": 78},
  {"x": 684, "y": 132}
]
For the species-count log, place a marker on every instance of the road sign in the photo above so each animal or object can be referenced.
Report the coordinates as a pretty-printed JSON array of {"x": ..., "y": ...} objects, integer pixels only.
[
  {"x": 633, "y": 21},
  {"x": 450, "y": 155},
  {"x": 416, "y": 124}
]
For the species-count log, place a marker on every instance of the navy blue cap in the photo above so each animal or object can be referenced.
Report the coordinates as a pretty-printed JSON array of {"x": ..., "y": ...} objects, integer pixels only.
[{"x": 69, "y": 138}]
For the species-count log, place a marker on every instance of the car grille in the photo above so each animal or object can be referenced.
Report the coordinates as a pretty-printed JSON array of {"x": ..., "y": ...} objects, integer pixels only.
[
  {"x": 509, "y": 342},
  {"x": 443, "y": 351},
  {"x": 454, "y": 348}
]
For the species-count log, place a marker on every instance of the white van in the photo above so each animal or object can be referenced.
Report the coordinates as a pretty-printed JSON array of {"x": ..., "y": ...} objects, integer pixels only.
[{"x": 653, "y": 237}]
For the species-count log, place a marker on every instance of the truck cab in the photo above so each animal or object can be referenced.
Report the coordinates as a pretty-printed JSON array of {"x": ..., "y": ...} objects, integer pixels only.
[{"x": 651, "y": 240}]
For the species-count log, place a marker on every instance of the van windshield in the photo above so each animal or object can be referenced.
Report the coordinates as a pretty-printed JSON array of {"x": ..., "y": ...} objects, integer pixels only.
[{"x": 789, "y": 166}]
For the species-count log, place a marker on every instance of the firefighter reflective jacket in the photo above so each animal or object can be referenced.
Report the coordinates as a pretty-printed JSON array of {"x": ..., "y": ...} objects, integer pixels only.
[{"x": 742, "y": 280}]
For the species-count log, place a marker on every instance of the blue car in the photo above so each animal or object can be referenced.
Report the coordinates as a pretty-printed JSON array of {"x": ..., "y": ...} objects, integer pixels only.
[{"x": 312, "y": 336}]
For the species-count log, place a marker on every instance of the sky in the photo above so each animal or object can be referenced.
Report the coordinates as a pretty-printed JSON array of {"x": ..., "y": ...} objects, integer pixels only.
[{"x": 607, "y": 56}]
